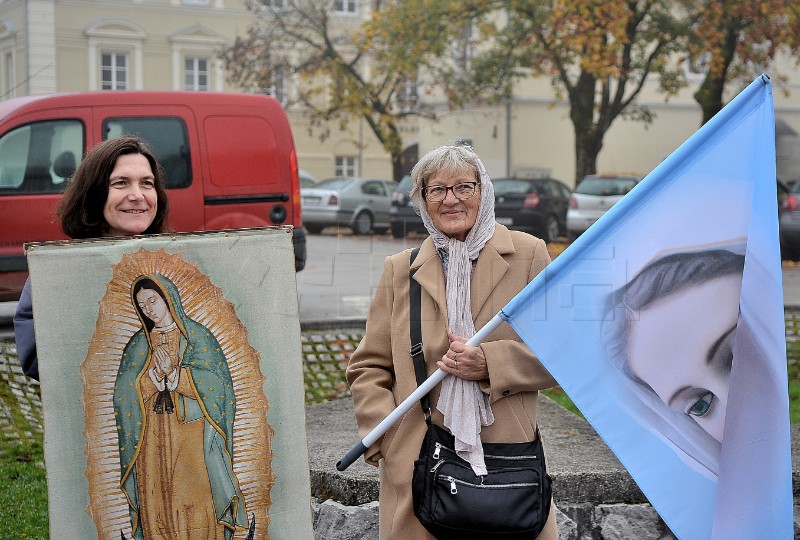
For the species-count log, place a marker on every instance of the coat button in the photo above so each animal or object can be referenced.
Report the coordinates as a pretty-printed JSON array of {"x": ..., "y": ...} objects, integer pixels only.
[{"x": 506, "y": 392}]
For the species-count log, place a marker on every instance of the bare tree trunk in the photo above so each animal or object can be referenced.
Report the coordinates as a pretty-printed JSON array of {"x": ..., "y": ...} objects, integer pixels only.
[
  {"x": 711, "y": 92},
  {"x": 588, "y": 135},
  {"x": 397, "y": 166},
  {"x": 587, "y": 148}
]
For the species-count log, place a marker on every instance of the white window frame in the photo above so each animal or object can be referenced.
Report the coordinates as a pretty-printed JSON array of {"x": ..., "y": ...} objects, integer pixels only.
[
  {"x": 196, "y": 72},
  {"x": 105, "y": 36},
  {"x": 8, "y": 60},
  {"x": 346, "y": 7},
  {"x": 8, "y": 76},
  {"x": 202, "y": 42},
  {"x": 466, "y": 46},
  {"x": 346, "y": 166},
  {"x": 278, "y": 88},
  {"x": 696, "y": 70},
  {"x": 114, "y": 68},
  {"x": 407, "y": 95}
]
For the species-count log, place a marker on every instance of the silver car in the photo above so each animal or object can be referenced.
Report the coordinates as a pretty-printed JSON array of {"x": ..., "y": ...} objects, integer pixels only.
[
  {"x": 593, "y": 196},
  {"x": 361, "y": 204},
  {"x": 306, "y": 179}
]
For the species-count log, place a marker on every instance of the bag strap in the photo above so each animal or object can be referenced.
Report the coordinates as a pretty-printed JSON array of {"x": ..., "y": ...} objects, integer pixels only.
[{"x": 415, "y": 330}]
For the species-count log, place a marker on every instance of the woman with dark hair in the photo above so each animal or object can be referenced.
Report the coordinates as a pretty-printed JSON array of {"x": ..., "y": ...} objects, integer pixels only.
[
  {"x": 100, "y": 200},
  {"x": 118, "y": 190}
]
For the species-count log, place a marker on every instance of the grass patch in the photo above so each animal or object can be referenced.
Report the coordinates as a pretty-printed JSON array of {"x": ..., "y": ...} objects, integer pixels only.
[
  {"x": 23, "y": 492},
  {"x": 794, "y": 390},
  {"x": 559, "y": 396},
  {"x": 793, "y": 364}
]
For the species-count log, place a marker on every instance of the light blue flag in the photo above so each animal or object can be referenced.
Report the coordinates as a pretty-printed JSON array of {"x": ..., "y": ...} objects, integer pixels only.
[{"x": 664, "y": 324}]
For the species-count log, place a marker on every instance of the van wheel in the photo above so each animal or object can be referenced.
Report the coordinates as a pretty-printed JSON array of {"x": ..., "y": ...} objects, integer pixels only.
[
  {"x": 313, "y": 228},
  {"x": 363, "y": 223},
  {"x": 398, "y": 231},
  {"x": 551, "y": 230}
]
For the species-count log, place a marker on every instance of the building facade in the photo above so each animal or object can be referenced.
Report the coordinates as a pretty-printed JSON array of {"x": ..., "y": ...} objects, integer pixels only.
[{"x": 51, "y": 46}]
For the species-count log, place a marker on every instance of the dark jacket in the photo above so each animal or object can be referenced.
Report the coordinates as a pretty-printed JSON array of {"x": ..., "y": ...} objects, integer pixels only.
[{"x": 23, "y": 332}]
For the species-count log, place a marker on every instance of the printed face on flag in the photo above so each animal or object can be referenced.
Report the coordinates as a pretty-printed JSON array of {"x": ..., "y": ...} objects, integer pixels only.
[
  {"x": 660, "y": 335},
  {"x": 697, "y": 382},
  {"x": 690, "y": 376}
]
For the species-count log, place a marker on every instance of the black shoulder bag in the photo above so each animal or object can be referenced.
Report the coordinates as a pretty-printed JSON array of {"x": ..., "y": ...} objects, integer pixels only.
[{"x": 511, "y": 502}]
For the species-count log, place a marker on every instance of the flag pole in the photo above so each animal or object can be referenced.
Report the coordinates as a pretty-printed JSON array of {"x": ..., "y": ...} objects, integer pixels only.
[{"x": 435, "y": 378}]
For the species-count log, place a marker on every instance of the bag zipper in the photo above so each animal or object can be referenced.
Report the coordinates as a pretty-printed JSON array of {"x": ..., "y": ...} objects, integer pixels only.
[
  {"x": 466, "y": 466},
  {"x": 437, "y": 465},
  {"x": 490, "y": 456},
  {"x": 439, "y": 447},
  {"x": 454, "y": 481}
]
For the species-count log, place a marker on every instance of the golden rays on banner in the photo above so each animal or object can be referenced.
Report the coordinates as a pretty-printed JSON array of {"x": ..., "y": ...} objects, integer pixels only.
[{"x": 178, "y": 442}]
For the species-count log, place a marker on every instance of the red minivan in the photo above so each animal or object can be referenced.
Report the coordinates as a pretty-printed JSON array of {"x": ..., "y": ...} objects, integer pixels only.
[{"x": 229, "y": 162}]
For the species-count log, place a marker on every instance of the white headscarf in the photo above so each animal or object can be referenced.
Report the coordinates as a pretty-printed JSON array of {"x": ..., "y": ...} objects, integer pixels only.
[{"x": 464, "y": 406}]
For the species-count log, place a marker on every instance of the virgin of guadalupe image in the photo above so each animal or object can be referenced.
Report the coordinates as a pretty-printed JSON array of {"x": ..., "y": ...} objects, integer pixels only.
[
  {"x": 183, "y": 401},
  {"x": 184, "y": 452}
]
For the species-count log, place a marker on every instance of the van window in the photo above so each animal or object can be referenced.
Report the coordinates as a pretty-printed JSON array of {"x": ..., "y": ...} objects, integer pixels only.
[
  {"x": 40, "y": 157},
  {"x": 167, "y": 137}
]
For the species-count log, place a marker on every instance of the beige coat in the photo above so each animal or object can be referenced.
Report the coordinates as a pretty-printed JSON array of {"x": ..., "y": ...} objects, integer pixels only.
[{"x": 381, "y": 371}]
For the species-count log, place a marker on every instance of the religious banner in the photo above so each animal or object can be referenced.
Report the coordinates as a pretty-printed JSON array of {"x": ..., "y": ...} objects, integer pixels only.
[
  {"x": 664, "y": 324},
  {"x": 172, "y": 386}
]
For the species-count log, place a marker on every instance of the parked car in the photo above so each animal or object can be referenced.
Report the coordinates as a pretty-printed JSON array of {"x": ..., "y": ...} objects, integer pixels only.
[
  {"x": 403, "y": 219},
  {"x": 361, "y": 204},
  {"x": 306, "y": 179},
  {"x": 789, "y": 220},
  {"x": 593, "y": 196},
  {"x": 534, "y": 205}
]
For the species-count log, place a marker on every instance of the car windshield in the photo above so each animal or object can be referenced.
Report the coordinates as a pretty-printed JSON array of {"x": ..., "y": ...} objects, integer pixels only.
[
  {"x": 405, "y": 184},
  {"x": 505, "y": 186},
  {"x": 593, "y": 185},
  {"x": 334, "y": 183}
]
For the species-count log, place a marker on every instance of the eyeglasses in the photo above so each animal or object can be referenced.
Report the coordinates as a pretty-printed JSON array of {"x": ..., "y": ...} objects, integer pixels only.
[{"x": 462, "y": 191}]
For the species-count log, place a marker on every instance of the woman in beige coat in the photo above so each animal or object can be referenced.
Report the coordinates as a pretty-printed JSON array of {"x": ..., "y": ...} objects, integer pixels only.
[{"x": 469, "y": 268}]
